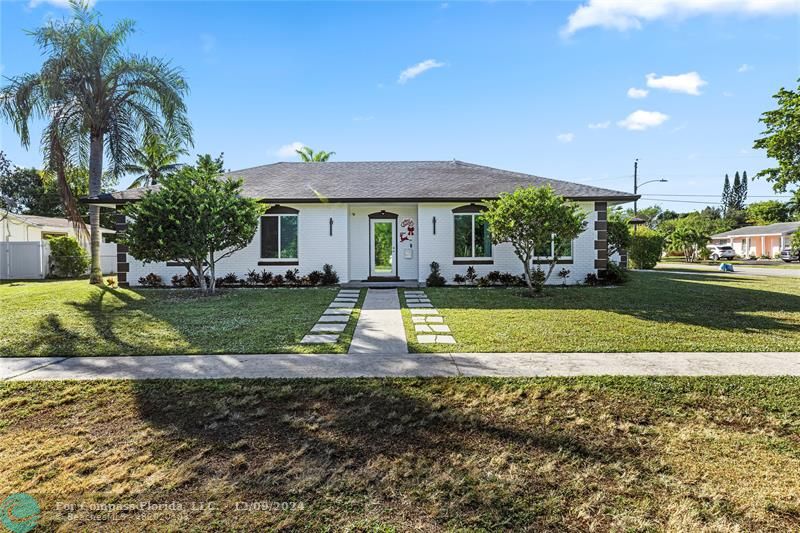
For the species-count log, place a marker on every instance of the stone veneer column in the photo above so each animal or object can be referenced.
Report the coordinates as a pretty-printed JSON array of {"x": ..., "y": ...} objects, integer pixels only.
[
  {"x": 122, "y": 253},
  {"x": 601, "y": 238}
]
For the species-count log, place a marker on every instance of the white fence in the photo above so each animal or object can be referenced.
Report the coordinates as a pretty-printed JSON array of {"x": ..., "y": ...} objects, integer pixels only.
[{"x": 31, "y": 259}]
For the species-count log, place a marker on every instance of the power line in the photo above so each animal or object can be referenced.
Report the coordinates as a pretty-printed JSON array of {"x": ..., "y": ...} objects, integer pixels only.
[
  {"x": 678, "y": 201},
  {"x": 717, "y": 195}
]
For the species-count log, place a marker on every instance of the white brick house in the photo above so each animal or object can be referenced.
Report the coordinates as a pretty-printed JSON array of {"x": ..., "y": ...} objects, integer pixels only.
[{"x": 385, "y": 221}]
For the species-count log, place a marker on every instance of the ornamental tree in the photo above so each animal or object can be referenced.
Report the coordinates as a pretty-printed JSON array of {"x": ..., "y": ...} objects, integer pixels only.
[
  {"x": 781, "y": 140},
  {"x": 195, "y": 218},
  {"x": 531, "y": 219}
]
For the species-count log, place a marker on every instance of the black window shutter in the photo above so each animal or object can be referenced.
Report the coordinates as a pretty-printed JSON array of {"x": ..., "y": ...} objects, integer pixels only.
[{"x": 269, "y": 237}]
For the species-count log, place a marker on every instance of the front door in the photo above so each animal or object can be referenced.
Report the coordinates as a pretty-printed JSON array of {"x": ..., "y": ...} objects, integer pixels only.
[{"x": 382, "y": 248}]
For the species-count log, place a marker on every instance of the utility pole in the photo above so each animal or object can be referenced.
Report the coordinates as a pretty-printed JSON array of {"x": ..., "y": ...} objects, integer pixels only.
[{"x": 635, "y": 183}]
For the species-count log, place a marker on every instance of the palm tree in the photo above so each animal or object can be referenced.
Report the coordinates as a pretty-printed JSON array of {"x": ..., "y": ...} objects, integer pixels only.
[
  {"x": 97, "y": 100},
  {"x": 156, "y": 157},
  {"x": 307, "y": 155}
]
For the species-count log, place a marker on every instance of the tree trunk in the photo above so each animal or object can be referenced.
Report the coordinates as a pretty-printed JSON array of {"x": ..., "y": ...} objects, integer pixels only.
[
  {"x": 526, "y": 263},
  {"x": 95, "y": 187},
  {"x": 212, "y": 273},
  {"x": 201, "y": 280}
]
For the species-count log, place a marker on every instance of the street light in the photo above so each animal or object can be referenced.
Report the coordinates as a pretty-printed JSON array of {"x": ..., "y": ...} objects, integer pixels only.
[{"x": 636, "y": 184}]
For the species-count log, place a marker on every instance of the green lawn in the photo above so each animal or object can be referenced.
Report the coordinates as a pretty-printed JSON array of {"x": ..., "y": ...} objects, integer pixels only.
[
  {"x": 653, "y": 312},
  {"x": 623, "y": 454},
  {"x": 74, "y": 318}
]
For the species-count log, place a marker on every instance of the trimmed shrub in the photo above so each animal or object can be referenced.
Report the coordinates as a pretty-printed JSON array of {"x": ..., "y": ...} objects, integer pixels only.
[
  {"x": 151, "y": 280},
  {"x": 277, "y": 280},
  {"x": 645, "y": 249},
  {"x": 253, "y": 278},
  {"x": 314, "y": 277},
  {"x": 67, "y": 258},
  {"x": 291, "y": 276},
  {"x": 615, "y": 274},
  {"x": 329, "y": 275},
  {"x": 459, "y": 279},
  {"x": 591, "y": 279},
  {"x": 435, "y": 278},
  {"x": 471, "y": 274}
]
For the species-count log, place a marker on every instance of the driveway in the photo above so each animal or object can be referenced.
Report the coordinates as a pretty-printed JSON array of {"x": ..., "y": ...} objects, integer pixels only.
[{"x": 769, "y": 271}]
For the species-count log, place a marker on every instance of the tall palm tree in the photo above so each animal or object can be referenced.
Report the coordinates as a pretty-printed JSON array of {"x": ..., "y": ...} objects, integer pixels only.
[
  {"x": 97, "y": 100},
  {"x": 307, "y": 155},
  {"x": 156, "y": 157}
]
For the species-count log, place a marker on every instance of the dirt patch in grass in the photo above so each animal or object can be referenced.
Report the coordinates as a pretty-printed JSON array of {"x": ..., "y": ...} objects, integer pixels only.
[{"x": 593, "y": 453}]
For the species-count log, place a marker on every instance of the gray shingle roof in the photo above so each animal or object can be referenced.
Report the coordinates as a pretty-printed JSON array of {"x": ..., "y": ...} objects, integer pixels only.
[
  {"x": 781, "y": 228},
  {"x": 390, "y": 180}
]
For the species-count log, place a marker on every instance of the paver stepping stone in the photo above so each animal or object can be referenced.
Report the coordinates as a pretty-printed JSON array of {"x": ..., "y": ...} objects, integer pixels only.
[
  {"x": 415, "y": 295},
  {"x": 345, "y": 300},
  {"x": 424, "y": 312},
  {"x": 423, "y": 328},
  {"x": 331, "y": 327},
  {"x": 418, "y": 319},
  {"x": 420, "y": 305},
  {"x": 334, "y": 318},
  {"x": 440, "y": 328},
  {"x": 342, "y": 305},
  {"x": 320, "y": 339},
  {"x": 435, "y": 339},
  {"x": 430, "y": 319},
  {"x": 330, "y": 311}
]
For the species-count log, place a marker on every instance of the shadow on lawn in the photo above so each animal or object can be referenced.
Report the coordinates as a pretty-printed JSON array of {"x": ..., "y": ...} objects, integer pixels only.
[
  {"x": 711, "y": 301},
  {"x": 361, "y": 443}
]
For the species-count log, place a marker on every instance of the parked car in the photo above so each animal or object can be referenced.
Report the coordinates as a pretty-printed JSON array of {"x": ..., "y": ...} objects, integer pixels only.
[
  {"x": 722, "y": 251},
  {"x": 788, "y": 255}
]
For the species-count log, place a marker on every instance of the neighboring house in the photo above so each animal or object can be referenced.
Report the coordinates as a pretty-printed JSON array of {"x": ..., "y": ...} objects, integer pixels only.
[
  {"x": 24, "y": 253},
  {"x": 758, "y": 241},
  {"x": 385, "y": 221}
]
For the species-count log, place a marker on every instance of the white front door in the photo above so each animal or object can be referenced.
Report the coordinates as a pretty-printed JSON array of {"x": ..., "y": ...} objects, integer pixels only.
[{"x": 382, "y": 249}]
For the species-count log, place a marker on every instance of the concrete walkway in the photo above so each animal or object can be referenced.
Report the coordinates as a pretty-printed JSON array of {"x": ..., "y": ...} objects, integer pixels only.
[
  {"x": 380, "y": 327},
  {"x": 400, "y": 365}
]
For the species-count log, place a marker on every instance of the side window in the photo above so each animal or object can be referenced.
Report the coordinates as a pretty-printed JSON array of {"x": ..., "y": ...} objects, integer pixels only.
[{"x": 279, "y": 236}]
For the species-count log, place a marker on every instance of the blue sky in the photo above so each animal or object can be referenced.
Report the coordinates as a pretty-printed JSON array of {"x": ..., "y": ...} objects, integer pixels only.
[{"x": 539, "y": 87}]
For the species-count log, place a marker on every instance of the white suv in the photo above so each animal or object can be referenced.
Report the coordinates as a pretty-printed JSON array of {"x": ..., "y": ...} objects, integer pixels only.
[{"x": 722, "y": 251}]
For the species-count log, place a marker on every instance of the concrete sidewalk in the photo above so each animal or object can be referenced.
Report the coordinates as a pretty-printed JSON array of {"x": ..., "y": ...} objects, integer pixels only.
[{"x": 400, "y": 365}]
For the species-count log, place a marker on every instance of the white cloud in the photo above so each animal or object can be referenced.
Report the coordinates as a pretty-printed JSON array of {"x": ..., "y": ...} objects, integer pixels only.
[
  {"x": 288, "y": 150},
  {"x": 640, "y": 120},
  {"x": 633, "y": 92},
  {"x": 623, "y": 15},
  {"x": 599, "y": 125},
  {"x": 57, "y": 3},
  {"x": 688, "y": 83},
  {"x": 744, "y": 68},
  {"x": 565, "y": 137},
  {"x": 412, "y": 72}
]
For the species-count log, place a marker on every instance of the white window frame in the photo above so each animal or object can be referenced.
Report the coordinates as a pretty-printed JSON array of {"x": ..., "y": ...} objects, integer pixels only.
[
  {"x": 280, "y": 222},
  {"x": 472, "y": 245}
]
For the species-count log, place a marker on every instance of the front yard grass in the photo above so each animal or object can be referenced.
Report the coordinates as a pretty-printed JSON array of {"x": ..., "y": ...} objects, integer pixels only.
[
  {"x": 653, "y": 312},
  {"x": 74, "y": 318},
  {"x": 643, "y": 454}
]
